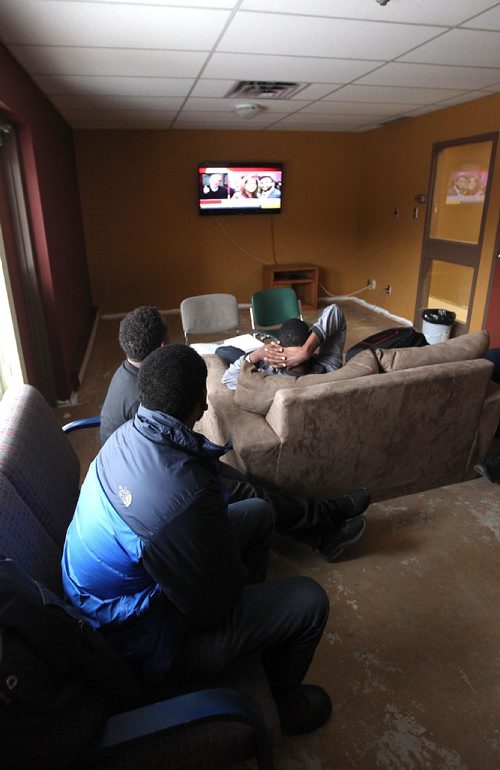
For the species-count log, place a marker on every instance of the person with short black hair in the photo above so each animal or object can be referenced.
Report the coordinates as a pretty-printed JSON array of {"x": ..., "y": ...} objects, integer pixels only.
[
  {"x": 300, "y": 349},
  {"x": 171, "y": 574},
  {"x": 141, "y": 331}
]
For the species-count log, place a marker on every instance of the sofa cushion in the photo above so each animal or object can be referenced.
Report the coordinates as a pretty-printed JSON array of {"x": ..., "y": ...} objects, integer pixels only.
[
  {"x": 255, "y": 390},
  {"x": 465, "y": 348}
]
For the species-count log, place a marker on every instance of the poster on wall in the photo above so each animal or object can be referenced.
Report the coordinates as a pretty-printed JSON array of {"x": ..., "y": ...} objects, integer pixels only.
[{"x": 467, "y": 185}]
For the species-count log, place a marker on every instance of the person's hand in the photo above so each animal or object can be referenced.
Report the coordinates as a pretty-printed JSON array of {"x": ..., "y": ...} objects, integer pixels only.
[
  {"x": 272, "y": 353},
  {"x": 295, "y": 356}
]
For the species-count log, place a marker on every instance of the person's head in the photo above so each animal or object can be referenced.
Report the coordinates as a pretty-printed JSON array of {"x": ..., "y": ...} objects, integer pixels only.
[
  {"x": 215, "y": 181},
  {"x": 249, "y": 186},
  {"x": 462, "y": 183},
  {"x": 293, "y": 332},
  {"x": 142, "y": 331},
  {"x": 266, "y": 183},
  {"x": 173, "y": 379}
]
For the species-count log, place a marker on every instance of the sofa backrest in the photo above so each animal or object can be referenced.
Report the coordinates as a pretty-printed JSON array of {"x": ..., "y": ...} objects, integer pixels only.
[
  {"x": 255, "y": 391},
  {"x": 467, "y": 347},
  {"x": 393, "y": 433},
  {"x": 38, "y": 460}
]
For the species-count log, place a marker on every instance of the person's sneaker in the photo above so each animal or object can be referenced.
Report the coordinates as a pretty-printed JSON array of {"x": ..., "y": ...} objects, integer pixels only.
[
  {"x": 348, "y": 506},
  {"x": 490, "y": 469},
  {"x": 304, "y": 709},
  {"x": 335, "y": 542}
]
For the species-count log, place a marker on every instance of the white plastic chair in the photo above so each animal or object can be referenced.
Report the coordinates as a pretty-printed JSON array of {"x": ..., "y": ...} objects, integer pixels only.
[{"x": 209, "y": 314}]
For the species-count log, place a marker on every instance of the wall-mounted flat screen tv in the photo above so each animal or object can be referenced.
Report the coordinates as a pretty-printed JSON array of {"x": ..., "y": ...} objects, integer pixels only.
[{"x": 240, "y": 188}]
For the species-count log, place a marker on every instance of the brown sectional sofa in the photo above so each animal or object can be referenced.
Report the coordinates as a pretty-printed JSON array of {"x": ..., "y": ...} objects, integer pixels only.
[{"x": 396, "y": 421}]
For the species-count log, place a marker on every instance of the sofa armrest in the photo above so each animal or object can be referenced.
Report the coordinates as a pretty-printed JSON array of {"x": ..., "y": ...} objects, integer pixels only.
[
  {"x": 488, "y": 424},
  {"x": 256, "y": 447}
]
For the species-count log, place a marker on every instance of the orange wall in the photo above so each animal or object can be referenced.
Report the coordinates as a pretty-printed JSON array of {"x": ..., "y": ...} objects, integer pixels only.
[
  {"x": 147, "y": 244},
  {"x": 396, "y": 166}
]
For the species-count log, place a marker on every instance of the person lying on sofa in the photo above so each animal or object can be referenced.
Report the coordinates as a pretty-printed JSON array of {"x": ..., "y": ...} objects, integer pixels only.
[
  {"x": 330, "y": 525},
  {"x": 301, "y": 349},
  {"x": 169, "y": 572}
]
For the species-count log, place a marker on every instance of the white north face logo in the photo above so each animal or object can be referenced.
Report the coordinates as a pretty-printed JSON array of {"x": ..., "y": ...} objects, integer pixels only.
[{"x": 125, "y": 496}]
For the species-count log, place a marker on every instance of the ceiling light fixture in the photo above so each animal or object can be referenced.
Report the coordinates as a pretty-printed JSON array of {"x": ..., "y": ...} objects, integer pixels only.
[
  {"x": 382, "y": 2},
  {"x": 247, "y": 111}
]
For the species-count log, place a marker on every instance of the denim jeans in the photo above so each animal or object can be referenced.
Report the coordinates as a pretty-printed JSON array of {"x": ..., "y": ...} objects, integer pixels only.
[{"x": 282, "y": 620}]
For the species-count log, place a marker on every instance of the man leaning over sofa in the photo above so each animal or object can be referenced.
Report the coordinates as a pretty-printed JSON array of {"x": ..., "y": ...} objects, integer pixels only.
[
  {"x": 295, "y": 353},
  {"x": 172, "y": 575}
]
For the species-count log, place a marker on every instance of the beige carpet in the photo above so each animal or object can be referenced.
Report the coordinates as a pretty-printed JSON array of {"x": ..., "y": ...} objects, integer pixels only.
[{"x": 411, "y": 653}]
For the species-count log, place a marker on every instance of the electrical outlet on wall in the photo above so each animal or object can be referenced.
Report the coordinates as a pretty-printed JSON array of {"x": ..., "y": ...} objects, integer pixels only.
[
  {"x": 388, "y": 289},
  {"x": 371, "y": 283}
]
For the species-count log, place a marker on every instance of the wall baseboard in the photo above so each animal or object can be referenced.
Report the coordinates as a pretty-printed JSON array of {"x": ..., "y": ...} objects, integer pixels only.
[
  {"x": 321, "y": 301},
  {"x": 374, "y": 308}
]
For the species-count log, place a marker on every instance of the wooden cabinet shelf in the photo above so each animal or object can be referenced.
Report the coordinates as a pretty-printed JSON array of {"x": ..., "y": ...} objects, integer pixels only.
[{"x": 303, "y": 278}]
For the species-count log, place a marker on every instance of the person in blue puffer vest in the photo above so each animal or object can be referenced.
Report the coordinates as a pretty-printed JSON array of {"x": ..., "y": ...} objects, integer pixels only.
[{"x": 168, "y": 571}]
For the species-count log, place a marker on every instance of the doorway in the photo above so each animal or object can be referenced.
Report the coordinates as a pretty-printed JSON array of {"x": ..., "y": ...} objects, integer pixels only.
[{"x": 461, "y": 173}]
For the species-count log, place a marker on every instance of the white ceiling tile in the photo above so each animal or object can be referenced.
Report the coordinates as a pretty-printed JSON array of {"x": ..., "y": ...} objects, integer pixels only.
[
  {"x": 77, "y": 101},
  {"x": 108, "y": 61},
  {"x": 214, "y": 88},
  {"x": 118, "y": 114},
  {"x": 356, "y": 108},
  {"x": 316, "y": 91},
  {"x": 228, "y": 4},
  {"x": 281, "y": 34},
  {"x": 110, "y": 86},
  {"x": 447, "y": 12},
  {"x": 105, "y": 63},
  {"x": 222, "y": 121},
  {"x": 195, "y": 125},
  {"x": 115, "y": 25},
  {"x": 101, "y": 119},
  {"x": 465, "y": 47},
  {"x": 261, "y": 67},
  {"x": 431, "y": 76},
  {"x": 270, "y": 106},
  {"x": 325, "y": 120},
  {"x": 391, "y": 94},
  {"x": 488, "y": 20}
]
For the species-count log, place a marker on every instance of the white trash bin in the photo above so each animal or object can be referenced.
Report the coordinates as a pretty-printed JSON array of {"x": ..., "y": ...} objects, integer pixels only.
[{"x": 437, "y": 324}]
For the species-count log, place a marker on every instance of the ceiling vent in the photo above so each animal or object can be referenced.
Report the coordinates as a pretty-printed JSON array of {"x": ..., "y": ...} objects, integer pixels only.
[{"x": 262, "y": 89}]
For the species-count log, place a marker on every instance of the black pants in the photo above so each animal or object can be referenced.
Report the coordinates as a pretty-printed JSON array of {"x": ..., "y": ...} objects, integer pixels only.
[
  {"x": 282, "y": 620},
  {"x": 294, "y": 515}
]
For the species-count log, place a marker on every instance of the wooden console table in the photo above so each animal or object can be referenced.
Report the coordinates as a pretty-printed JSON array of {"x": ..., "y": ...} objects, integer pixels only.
[{"x": 301, "y": 277}]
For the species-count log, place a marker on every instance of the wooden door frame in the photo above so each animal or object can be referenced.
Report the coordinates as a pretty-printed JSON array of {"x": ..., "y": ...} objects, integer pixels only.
[
  {"x": 424, "y": 277},
  {"x": 495, "y": 265}
]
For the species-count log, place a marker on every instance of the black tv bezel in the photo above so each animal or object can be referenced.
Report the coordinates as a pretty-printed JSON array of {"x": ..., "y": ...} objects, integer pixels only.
[{"x": 238, "y": 211}]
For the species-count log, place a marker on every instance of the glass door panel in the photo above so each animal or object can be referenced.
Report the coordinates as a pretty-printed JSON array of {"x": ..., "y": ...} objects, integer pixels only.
[
  {"x": 459, "y": 190},
  {"x": 450, "y": 287}
]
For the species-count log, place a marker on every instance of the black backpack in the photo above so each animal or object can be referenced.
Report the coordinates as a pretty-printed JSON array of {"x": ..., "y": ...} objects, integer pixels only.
[
  {"x": 400, "y": 337},
  {"x": 59, "y": 679}
]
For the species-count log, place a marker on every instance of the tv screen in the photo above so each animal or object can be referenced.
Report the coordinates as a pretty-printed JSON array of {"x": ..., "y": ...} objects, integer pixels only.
[{"x": 240, "y": 188}]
